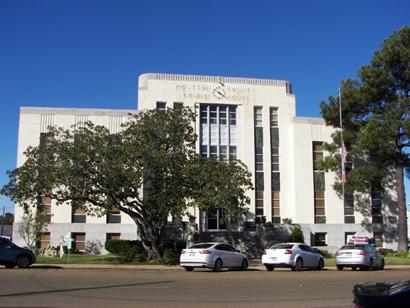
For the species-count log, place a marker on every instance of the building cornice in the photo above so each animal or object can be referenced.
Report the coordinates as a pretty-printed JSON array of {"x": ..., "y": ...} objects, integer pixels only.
[{"x": 77, "y": 111}]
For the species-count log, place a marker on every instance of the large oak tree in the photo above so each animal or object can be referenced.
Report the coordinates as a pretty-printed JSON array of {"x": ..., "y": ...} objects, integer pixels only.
[{"x": 149, "y": 171}]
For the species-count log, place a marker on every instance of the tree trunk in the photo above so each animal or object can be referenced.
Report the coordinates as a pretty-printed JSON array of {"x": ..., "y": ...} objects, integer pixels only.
[{"x": 401, "y": 211}]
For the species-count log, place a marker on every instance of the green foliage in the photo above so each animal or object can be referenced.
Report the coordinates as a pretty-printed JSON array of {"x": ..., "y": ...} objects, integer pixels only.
[
  {"x": 385, "y": 251},
  {"x": 296, "y": 235},
  {"x": 324, "y": 253},
  {"x": 376, "y": 125},
  {"x": 31, "y": 225},
  {"x": 154, "y": 152},
  {"x": 392, "y": 253},
  {"x": 128, "y": 250}
]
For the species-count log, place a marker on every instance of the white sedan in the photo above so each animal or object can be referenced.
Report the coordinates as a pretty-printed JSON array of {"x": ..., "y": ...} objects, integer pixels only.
[
  {"x": 213, "y": 255},
  {"x": 297, "y": 256}
]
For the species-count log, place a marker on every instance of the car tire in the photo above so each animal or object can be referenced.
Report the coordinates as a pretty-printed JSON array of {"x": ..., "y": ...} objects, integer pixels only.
[
  {"x": 189, "y": 268},
  {"x": 382, "y": 265},
  {"x": 299, "y": 265},
  {"x": 10, "y": 265},
  {"x": 370, "y": 267},
  {"x": 244, "y": 265},
  {"x": 217, "y": 266},
  {"x": 321, "y": 264},
  {"x": 340, "y": 268},
  {"x": 269, "y": 267},
  {"x": 23, "y": 262}
]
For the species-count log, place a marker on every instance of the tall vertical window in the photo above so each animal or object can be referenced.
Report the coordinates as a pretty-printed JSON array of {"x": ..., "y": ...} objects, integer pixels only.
[
  {"x": 114, "y": 216},
  {"x": 349, "y": 208},
  {"x": 161, "y": 106},
  {"x": 44, "y": 240},
  {"x": 217, "y": 140},
  {"x": 378, "y": 239},
  {"x": 319, "y": 184},
  {"x": 274, "y": 153},
  {"x": 79, "y": 241},
  {"x": 178, "y": 105},
  {"x": 113, "y": 236},
  {"x": 377, "y": 217},
  {"x": 259, "y": 175},
  {"x": 78, "y": 214}
]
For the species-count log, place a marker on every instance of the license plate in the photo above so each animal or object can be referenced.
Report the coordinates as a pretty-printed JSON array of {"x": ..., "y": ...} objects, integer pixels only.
[
  {"x": 273, "y": 258},
  {"x": 191, "y": 254},
  {"x": 347, "y": 254}
]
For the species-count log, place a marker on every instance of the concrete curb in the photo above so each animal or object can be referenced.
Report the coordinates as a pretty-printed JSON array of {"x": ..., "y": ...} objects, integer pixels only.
[{"x": 158, "y": 267}]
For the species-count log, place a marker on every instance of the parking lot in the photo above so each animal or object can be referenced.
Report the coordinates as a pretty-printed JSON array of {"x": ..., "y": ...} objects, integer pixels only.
[{"x": 126, "y": 287}]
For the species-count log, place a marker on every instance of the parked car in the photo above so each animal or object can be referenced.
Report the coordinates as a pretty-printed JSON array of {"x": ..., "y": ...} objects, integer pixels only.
[
  {"x": 297, "y": 256},
  {"x": 363, "y": 256},
  {"x": 12, "y": 255},
  {"x": 213, "y": 255},
  {"x": 381, "y": 294}
]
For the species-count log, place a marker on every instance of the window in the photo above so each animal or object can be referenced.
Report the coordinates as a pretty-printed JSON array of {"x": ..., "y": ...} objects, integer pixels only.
[
  {"x": 178, "y": 105},
  {"x": 273, "y": 117},
  {"x": 259, "y": 175},
  {"x": 161, "y": 106},
  {"x": 377, "y": 217},
  {"x": 113, "y": 236},
  {"x": 78, "y": 213},
  {"x": 320, "y": 239},
  {"x": 348, "y": 235},
  {"x": 378, "y": 239},
  {"x": 349, "y": 209},
  {"x": 232, "y": 115},
  {"x": 276, "y": 207},
  {"x": 259, "y": 203},
  {"x": 318, "y": 185},
  {"x": 258, "y": 116},
  {"x": 114, "y": 216},
  {"x": 79, "y": 241},
  {"x": 44, "y": 240},
  {"x": 216, "y": 219},
  {"x": 46, "y": 206}
]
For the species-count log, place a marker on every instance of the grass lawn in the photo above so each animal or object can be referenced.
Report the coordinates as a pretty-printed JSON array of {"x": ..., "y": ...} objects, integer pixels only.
[{"x": 80, "y": 259}]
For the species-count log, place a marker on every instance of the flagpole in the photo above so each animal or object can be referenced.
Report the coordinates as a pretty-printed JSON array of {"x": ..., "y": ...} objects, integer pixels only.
[{"x": 342, "y": 148}]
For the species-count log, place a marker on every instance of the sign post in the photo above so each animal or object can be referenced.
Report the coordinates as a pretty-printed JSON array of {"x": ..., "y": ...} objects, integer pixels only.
[{"x": 68, "y": 241}]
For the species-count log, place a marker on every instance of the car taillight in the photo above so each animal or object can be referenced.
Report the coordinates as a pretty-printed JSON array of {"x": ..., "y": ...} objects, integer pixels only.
[
  {"x": 337, "y": 253},
  {"x": 362, "y": 253},
  {"x": 288, "y": 251},
  {"x": 205, "y": 252},
  {"x": 183, "y": 251}
]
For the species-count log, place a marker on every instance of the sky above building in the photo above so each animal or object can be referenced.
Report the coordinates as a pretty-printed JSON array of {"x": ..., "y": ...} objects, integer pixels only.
[{"x": 89, "y": 54}]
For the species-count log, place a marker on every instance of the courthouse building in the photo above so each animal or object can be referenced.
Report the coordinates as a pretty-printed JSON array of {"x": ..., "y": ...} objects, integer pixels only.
[{"x": 253, "y": 120}]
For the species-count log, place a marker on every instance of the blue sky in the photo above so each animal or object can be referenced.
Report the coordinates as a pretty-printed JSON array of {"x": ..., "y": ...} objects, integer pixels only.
[{"x": 89, "y": 53}]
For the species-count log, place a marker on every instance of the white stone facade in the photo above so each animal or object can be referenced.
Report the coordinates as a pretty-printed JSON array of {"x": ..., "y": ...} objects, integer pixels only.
[{"x": 251, "y": 119}]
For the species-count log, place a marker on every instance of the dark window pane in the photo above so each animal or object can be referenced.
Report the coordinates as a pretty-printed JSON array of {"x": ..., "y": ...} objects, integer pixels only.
[
  {"x": 259, "y": 183},
  {"x": 349, "y": 219},
  {"x": 274, "y": 137},
  {"x": 275, "y": 181},
  {"x": 258, "y": 136},
  {"x": 319, "y": 181}
]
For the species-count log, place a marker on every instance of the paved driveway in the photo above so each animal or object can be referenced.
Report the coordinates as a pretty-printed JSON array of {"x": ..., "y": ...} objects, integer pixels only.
[{"x": 53, "y": 287}]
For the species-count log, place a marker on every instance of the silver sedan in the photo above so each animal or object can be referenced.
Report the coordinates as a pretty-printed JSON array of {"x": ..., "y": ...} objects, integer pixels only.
[{"x": 363, "y": 256}]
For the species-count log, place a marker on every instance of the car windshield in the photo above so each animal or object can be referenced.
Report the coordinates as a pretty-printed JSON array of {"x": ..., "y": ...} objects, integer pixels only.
[
  {"x": 355, "y": 247},
  {"x": 201, "y": 246},
  {"x": 282, "y": 246}
]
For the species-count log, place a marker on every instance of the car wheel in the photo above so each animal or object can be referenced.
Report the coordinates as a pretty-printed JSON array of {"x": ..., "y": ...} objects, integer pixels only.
[
  {"x": 354, "y": 268},
  {"x": 10, "y": 265},
  {"x": 321, "y": 264},
  {"x": 189, "y": 268},
  {"x": 23, "y": 262},
  {"x": 370, "y": 266},
  {"x": 244, "y": 265},
  {"x": 299, "y": 265},
  {"x": 269, "y": 267},
  {"x": 217, "y": 266},
  {"x": 382, "y": 265},
  {"x": 340, "y": 268}
]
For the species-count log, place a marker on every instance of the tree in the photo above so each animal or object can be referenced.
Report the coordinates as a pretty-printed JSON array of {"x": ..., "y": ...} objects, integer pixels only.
[
  {"x": 376, "y": 126},
  {"x": 148, "y": 171},
  {"x": 7, "y": 219},
  {"x": 31, "y": 225}
]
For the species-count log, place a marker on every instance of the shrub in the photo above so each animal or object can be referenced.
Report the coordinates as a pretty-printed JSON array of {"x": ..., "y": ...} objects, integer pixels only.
[
  {"x": 172, "y": 251},
  {"x": 127, "y": 250},
  {"x": 296, "y": 235},
  {"x": 323, "y": 253},
  {"x": 385, "y": 251}
]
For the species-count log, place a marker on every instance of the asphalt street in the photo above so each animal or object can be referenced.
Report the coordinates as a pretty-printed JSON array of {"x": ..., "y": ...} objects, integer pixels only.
[{"x": 59, "y": 287}]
